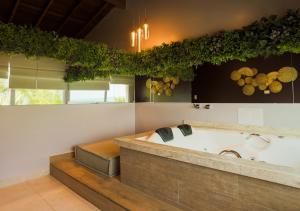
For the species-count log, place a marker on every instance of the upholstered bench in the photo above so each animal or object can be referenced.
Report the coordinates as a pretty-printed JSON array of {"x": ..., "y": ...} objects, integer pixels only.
[{"x": 102, "y": 157}]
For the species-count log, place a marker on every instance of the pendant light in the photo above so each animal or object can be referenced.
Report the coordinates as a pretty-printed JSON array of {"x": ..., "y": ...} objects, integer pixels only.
[
  {"x": 140, "y": 34},
  {"x": 146, "y": 31},
  {"x": 139, "y": 39},
  {"x": 146, "y": 27},
  {"x": 133, "y": 38}
]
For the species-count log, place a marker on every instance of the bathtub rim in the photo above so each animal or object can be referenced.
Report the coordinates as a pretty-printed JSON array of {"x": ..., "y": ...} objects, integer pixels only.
[{"x": 265, "y": 171}]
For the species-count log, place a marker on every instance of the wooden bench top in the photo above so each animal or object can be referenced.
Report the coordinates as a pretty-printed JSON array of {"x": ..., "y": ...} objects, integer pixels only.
[
  {"x": 106, "y": 149},
  {"x": 107, "y": 193}
]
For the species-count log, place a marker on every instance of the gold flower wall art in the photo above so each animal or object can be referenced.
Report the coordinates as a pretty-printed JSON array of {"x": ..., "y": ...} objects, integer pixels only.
[
  {"x": 164, "y": 86},
  {"x": 250, "y": 80}
]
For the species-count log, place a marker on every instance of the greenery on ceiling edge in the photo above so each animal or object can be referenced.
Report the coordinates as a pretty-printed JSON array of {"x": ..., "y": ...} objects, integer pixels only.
[{"x": 86, "y": 60}]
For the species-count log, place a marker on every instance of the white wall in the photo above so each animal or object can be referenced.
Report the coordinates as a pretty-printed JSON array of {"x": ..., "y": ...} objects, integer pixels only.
[
  {"x": 29, "y": 135},
  {"x": 150, "y": 116},
  {"x": 172, "y": 20}
]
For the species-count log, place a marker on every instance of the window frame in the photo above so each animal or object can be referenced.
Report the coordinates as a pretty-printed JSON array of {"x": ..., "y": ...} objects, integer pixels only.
[{"x": 66, "y": 98}]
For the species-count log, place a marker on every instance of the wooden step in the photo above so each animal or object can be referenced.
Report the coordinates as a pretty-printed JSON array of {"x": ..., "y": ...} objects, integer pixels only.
[{"x": 107, "y": 193}]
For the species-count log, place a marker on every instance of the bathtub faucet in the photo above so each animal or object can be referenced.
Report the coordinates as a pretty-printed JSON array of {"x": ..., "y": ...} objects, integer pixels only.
[{"x": 262, "y": 138}]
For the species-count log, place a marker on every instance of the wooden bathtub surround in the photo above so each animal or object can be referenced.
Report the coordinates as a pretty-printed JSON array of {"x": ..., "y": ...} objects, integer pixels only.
[
  {"x": 260, "y": 170},
  {"x": 159, "y": 177},
  {"x": 106, "y": 193},
  {"x": 194, "y": 187}
]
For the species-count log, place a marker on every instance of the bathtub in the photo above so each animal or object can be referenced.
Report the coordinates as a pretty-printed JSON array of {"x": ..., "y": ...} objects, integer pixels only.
[
  {"x": 273, "y": 149},
  {"x": 218, "y": 167}
]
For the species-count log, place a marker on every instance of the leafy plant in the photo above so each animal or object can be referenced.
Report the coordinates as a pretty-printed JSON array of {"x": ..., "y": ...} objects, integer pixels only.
[
  {"x": 86, "y": 60},
  {"x": 31, "y": 97}
]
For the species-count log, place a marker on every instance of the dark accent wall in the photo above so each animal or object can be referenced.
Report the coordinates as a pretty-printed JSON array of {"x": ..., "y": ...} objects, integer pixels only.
[
  {"x": 212, "y": 83},
  {"x": 182, "y": 92}
]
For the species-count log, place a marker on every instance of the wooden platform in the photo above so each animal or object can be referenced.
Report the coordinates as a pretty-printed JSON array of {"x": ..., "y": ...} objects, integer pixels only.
[{"x": 107, "y": 193}]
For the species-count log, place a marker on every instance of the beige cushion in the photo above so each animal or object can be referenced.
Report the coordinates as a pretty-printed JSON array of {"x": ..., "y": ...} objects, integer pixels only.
[{"x": 102, "y": 157}]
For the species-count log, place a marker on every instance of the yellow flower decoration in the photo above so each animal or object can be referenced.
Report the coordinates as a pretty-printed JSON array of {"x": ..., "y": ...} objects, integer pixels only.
[
  {"x": 272, "y": 75},
  {"x": 261, "y": 79},
  {"x": 248, "y": 90},
  {"x": 254, "y": 83},
  {"x": 254, "y": 71},
  {"x": 176, "y": 80},
  {"x": 262, "y": 87},
  {"x": 166, "y": 79},
  {"x": 235, "y": 75},
  {"x": 241, "y": 82},
  {"x": 287, "y": 74},
  {"x": 248, "y": 80},
  {"x": 275, "y": 87},
  {"x": 247, "y": 71},
  {"x": 168, "y": 92},
  {"x": 165, "y": 85}
]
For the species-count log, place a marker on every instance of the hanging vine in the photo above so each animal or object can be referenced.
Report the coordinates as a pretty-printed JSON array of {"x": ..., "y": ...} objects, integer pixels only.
[{"x": 86, "y": 60}]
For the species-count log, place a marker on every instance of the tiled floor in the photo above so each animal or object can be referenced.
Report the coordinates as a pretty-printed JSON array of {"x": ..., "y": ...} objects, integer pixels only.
[{"x": 42, "y": 194}]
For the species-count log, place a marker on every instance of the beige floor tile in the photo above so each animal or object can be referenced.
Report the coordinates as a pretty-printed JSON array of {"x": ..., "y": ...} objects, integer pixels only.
[
  {"x": 42, "y": 194},
  {"x": 46, "y": 185},
  {"x": 13, "y": 193},
  {"x": 65, "y": 200},
  {"x": 59, "y": 196},
  {"x": 20, "y": 197}
]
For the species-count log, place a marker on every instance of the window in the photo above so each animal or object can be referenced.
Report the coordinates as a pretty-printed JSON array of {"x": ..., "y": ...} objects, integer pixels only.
[
  {"x": 118, "y": 93},
  {"x": 40, "y": 81},
  {"x": 38, "y": 96},
  {"x": 86, "y": 96},
  {"x": 4, "y": 92}
]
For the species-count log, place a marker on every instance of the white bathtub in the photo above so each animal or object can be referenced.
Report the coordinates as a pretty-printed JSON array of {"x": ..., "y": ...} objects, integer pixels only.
[{"x": 278, "y": 150}]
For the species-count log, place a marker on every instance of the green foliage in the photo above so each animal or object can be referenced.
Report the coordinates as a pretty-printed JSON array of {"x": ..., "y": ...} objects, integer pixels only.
[
  {"x": 119, "y": 100},
  {"x": 38, "y": 97},
  {"x": 4, "y": 92},
  {"x": 268, "y": 36}
]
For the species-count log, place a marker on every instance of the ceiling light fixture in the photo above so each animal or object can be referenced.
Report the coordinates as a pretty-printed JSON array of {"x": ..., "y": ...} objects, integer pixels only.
[{"x": 140, "y": 34}]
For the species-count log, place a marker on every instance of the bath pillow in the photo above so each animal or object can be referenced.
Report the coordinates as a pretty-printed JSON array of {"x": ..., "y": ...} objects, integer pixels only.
[
  {"x": 165, "y": 133},
  {"x": 185, "y": 129}
]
